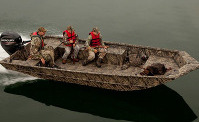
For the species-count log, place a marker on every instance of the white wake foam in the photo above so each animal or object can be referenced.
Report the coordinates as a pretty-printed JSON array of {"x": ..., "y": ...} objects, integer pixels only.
[{"x": 11, "y": 77}]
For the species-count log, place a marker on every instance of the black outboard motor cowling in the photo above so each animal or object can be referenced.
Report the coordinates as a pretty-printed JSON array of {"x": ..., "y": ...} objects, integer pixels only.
[{"x": 11, "y": 42}]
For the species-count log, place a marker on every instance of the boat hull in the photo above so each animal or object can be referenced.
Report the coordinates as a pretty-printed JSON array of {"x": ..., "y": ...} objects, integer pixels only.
[{"x": 119, "y": 83}]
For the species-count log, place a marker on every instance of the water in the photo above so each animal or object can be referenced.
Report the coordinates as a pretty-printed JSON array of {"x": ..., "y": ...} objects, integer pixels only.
[{"x": 172, "y": 24}]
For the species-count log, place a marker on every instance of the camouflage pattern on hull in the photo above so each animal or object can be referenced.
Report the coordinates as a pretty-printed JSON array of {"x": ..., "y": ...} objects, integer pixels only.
[
  {"x": 110, "y": 75},
  {"x": 119, "y": 83}
]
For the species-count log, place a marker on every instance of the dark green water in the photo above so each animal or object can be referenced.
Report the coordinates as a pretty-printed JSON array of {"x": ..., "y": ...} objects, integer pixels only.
[{"x": 172, "y": 24}]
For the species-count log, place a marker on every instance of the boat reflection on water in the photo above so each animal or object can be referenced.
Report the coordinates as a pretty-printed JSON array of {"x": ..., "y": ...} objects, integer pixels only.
[{"x": 156, "y": 104}]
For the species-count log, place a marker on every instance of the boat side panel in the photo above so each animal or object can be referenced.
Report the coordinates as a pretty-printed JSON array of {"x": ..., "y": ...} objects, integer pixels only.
[{"x": 120, "y": 83}]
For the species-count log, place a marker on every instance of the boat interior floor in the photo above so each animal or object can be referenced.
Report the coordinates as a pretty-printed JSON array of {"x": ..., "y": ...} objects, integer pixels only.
[
  {"x": 116, "y": 69},
  {"x": 108, "y": 69}
]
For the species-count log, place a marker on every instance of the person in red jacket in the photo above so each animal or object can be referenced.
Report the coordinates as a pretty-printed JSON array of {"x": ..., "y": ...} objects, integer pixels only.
[
  {"x": 95, "y": 44},
  {"x": 70, "y": 44}
]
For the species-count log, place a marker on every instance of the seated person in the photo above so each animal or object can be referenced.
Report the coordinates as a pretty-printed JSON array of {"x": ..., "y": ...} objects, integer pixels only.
[
  {"x": 38, "y": 50},
  {"x": 70, "y": 44},
  {"x": 95, "y": 44}
]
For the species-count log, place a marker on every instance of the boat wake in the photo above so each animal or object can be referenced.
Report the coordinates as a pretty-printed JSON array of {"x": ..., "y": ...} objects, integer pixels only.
[{"x": 11, "y": 77}]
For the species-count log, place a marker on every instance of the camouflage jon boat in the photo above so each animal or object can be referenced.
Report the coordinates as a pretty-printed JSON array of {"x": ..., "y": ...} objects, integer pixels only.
[{"x": 110, "y": 75}]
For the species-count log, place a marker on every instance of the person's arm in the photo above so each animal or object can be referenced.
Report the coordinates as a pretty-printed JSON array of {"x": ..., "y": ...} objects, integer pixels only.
[
  {"x": 87, "y": 44},
  {"x": 65, "y": 36},
  {"x": 77, "y": 39},
  {"x": 101, "y": 41}
]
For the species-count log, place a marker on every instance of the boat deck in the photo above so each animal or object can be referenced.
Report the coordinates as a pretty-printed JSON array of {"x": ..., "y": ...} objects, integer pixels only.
[
  {"x": 107, "y": 68},
  {"x": 116, "y": 69}
]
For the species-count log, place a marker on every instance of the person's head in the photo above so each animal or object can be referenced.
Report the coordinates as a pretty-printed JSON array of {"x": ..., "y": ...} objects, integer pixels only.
[
  {"x": 69, "y": 28},
  {"x": 95, "y": 30},
  {"x": 41, "y": 31}
]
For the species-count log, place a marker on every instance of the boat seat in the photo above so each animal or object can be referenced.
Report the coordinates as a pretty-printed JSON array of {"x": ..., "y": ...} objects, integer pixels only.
[{"x": 114, "y": 56}]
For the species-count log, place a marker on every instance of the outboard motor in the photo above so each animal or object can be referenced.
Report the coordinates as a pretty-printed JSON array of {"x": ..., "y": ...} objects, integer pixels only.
[{"x": 11, "y": 42}]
